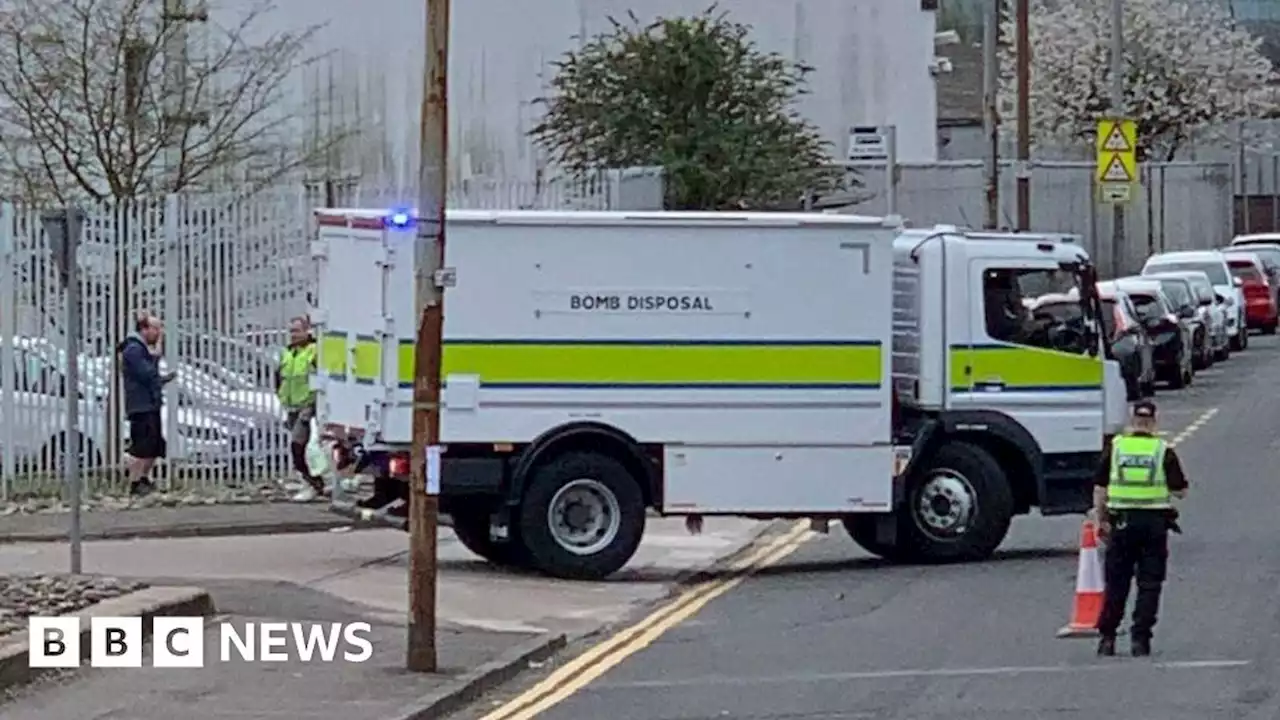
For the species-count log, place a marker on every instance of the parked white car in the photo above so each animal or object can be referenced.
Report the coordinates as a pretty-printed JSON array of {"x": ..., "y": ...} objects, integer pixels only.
[
  {"x": 203, "y": 389},
  {"x": 1214, "y": 264},
  {"x": 33, "y": 421}
]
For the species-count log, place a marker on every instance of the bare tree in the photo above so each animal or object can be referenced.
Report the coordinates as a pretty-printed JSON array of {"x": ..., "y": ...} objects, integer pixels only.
[{"x": 92, "y": 106}]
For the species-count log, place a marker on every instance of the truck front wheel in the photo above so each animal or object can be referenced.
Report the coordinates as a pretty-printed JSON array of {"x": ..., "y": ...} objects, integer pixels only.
[
  {"x": 958, "y": 507},
  {"x": 472, "y": 530},
  {"x": 582, "y": 516}
]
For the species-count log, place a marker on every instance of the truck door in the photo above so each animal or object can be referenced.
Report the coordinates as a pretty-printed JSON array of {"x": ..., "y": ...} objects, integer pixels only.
[
  {"x": 363, "y": 280},
  {"x": 1034, "y": 369}
]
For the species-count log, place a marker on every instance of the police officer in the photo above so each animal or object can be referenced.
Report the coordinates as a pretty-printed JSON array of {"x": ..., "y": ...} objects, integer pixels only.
[{"x": 1133, "y": 496}]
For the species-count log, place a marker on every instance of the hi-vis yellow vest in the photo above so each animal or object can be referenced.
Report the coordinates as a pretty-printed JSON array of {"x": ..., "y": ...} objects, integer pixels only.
[
  {"x": 295, "y": 376},
  {"x": 1137, "y": 474}
]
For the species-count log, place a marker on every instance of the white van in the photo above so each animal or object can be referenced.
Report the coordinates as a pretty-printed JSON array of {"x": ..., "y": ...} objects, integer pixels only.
[{"x": 1214, "y": 264}]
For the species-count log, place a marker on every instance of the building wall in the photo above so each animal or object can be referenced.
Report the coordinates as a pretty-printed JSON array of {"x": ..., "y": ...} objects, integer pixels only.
[
  {"x": 1266, "y": 10},
  {"x": 871, "y": 57}
]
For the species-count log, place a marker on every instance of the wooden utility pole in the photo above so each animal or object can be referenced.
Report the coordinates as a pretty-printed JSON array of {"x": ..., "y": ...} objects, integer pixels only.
[
  {"x": 1024, "y": 113},
  {"x": 429, "y": 282}
]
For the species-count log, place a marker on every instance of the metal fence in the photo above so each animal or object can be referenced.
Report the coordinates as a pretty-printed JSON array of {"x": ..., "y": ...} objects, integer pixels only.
[
  {"x": 1179, "y": 205},
  {"x": 639, "y": 188},
  {"x": 225, "y": 273}
]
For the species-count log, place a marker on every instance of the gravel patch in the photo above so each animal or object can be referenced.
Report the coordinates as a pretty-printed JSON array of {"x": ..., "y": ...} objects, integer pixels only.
[{"x": 22, "y": 596}]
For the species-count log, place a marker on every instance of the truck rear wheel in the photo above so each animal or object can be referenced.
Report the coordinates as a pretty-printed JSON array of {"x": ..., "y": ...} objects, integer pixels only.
[
  {"x": 958, "y": 507},
  {"x": 472, "y": 530},
  {"x": 582, "y": 516}
]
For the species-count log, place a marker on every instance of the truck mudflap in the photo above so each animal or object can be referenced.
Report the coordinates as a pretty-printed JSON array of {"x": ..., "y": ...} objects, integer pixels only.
[
  {"x": 906, "y": 456},
  {"x": 352, "y": 462}
]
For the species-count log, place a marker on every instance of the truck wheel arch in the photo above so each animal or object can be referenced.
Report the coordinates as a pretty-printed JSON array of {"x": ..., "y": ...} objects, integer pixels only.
[
  {"x": 588, "y": 437},
  {"x": 1008, "y": 442}
]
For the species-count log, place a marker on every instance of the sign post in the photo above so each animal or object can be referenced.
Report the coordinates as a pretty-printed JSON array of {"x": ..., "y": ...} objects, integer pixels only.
[
  {"x": 1117, "y": 163},
  {"x": 872, "y": 145},
  {"x": 63, "y": 229}
]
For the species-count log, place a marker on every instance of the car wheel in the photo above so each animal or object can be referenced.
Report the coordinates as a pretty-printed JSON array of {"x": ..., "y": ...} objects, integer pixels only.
[
  {"x": 1270, "y": 328},
  {"x": 1147, "y": 389},
  {"x": 1201, "y": 355}
]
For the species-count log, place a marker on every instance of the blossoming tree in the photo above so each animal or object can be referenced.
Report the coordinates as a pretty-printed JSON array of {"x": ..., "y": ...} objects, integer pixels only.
[{"x": 1188, "y": 68}]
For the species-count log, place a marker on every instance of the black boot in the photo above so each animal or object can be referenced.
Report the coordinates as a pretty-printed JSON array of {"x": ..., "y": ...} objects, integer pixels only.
[
  {"x": 383, "y": 494},
  {"x": 1140, "y": 647},
  {"x": 141, "y": 487},
  {"x": 1106, "y": 647}
]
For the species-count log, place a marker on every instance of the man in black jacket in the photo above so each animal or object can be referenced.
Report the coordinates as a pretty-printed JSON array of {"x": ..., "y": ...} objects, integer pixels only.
[{"x": 143, "y": 398}]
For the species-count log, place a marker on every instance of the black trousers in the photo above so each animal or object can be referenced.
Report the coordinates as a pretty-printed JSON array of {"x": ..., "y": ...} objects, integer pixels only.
[{"x": 1138, "y": 550}]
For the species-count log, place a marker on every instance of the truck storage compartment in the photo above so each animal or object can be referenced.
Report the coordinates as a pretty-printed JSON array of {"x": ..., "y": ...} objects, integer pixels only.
[{"x": 782, "y": 479}]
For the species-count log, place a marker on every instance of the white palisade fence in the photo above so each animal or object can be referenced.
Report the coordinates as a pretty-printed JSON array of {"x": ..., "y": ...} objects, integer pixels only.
[{"x": 225, "y": 273}]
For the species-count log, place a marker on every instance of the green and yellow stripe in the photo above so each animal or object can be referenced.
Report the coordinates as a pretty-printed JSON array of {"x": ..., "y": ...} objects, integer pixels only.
[
  {"x": 1022, "y": 369},
  {"x": 639, "y": 364}
]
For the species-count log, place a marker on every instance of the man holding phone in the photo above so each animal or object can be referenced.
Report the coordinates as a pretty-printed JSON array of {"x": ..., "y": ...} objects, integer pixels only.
[{"x": 143, "y": 398}]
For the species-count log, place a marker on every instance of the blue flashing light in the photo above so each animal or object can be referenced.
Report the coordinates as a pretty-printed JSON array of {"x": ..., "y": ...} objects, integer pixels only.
[{"x": 400, "y": 219}]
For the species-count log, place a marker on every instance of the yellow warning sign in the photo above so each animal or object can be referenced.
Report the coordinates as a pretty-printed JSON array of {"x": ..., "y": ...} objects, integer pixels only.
[
  {"x": 1115, "y": 171},
  {"x": 1116, "y": 141},
  {"x": 1117, "y": 162}
]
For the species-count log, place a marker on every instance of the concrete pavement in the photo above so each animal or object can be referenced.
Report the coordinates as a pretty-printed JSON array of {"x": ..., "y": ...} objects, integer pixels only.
[
  {"x": 368, "y": 568},
  {"x": 833, "y": 634},
  {"x": 485, "y": 614},
  {"x": 379, "y": 689}
]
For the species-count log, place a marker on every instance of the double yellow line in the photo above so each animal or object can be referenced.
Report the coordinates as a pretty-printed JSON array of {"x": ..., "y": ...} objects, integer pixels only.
[{"x": 601, "y": 658}]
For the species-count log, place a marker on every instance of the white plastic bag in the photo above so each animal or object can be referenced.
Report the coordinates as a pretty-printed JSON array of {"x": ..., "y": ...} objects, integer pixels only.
[{"x": 317, "y": 459}]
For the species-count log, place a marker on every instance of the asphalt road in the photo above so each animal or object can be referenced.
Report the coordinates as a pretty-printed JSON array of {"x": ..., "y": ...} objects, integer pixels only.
[{"x": 833, "y": 634}]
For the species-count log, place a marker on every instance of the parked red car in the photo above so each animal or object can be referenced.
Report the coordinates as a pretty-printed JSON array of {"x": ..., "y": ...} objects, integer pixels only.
[{"x": 1259, "y": 299}]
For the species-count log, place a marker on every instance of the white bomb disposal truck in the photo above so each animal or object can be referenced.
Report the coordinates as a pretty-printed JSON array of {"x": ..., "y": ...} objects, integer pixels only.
[{"x": 767, "y": 365}]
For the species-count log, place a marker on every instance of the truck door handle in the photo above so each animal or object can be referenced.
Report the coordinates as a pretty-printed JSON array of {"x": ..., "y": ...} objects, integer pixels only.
[{"x": 990, "y": 385}]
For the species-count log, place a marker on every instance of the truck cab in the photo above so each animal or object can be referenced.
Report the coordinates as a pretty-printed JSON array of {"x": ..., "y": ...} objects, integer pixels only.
[{"x": 1022, "y": 400}]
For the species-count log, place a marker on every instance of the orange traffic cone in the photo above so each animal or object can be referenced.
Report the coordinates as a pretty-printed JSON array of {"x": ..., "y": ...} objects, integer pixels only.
[{"x": 1089, "y": 587}]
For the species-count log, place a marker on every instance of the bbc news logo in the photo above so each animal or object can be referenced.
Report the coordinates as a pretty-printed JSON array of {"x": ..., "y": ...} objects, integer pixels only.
[{"x": 179, "y": 642}]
